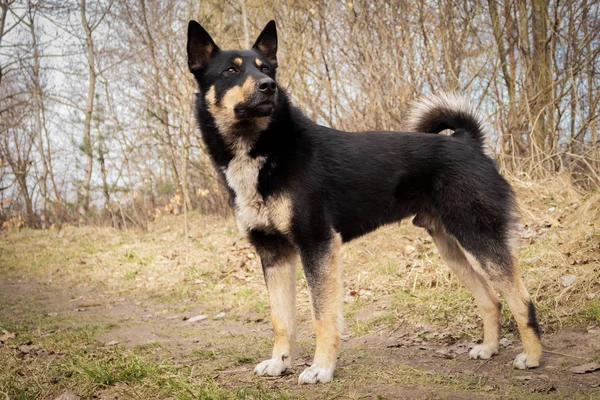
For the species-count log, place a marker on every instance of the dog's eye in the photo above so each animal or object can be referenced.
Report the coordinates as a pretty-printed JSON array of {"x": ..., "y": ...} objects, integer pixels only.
[
  {"x": 265, "y": 70},
  {"x": 232, "y": 70}
]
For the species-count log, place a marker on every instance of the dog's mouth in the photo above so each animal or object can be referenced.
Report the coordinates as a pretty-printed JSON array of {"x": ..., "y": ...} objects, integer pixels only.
[{"x": 255, "y": 109}]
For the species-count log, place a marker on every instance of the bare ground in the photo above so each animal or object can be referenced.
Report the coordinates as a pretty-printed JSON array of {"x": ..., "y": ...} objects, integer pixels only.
[
  {"x": 395, "y": 363},
  {"x": 104, "y": 313}
]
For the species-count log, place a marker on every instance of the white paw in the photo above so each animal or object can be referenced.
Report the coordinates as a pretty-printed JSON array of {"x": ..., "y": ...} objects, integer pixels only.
[
  {"x": 483, "y": 352},
  {"x": 524, "y": 361},
  {"x": 272, "y": 367},
  {"x": 314, "y": 374}
]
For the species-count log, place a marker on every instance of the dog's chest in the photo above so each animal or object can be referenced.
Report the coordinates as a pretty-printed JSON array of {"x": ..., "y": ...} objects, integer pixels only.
[{"x": 252, "y": 211}]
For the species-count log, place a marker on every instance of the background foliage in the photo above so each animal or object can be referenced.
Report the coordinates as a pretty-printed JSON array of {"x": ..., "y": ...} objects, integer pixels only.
[{"x": 96, "y": 122}]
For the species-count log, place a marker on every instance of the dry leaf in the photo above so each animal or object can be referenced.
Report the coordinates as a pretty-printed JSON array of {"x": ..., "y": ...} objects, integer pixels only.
[
  {"x": 6, "y": 335},
  {"x": 585, "y": 368}
]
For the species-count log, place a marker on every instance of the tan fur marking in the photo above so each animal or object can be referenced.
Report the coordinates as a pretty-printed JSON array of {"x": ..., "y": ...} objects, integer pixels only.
[
  {"x": 518, "y": 299},
  {"x": 281, "y": 284},
  {"x": 328, "y": 324},
  {"x": 238, "y": 94},
  {"x": 223, "y": 112},
  {"x": 238, "y": 61},
  {"x": 486, "y": 299},
  {"x": 258, "y": 63},
  {"x": 531, "y": 343},
  {"x": 252, "y": 211},
  {"x": 211, "y": 96}
]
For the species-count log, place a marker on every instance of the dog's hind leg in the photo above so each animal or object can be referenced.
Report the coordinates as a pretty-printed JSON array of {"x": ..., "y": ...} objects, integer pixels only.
[
  {"x": 503, "y": 275},
  {"x": 485, "y": 297},
  {"x": 324, "y": 278},
  {"x": 278, "y": 259},
  {"x": 514, "y": 292},
  {"x": 498, "y": 264}
]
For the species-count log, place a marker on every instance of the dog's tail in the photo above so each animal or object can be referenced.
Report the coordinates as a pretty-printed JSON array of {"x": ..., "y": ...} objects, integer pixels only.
[{"x": 434, "y": 114}]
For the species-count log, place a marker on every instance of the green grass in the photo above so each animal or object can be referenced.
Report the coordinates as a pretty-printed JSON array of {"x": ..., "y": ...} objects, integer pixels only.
[
  {"x": 205, "y": 354},
  {"x": 111, "y": 371},
  {"x": 591, "y": 313},
  {"x": 213, "y": 360},
  {"x": 72, "y": 358}
]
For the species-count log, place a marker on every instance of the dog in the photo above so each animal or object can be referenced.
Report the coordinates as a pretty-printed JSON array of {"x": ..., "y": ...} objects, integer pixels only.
[{"x": 299, "y": 190}]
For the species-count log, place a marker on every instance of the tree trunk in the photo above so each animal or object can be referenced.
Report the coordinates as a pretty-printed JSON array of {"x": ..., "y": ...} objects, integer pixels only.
[
  {"x": 19, "y": 160},
  {"x": 184, "y": 185},
  {"x": 592, "y": 91},
  {"x": 84, "y": 201},
  {"x": 103, "y": 173},
  {"x": 21, "y": 176},
  {"x": 245, "y": 24},
  {"x": 3, "y": 12},
  {"x": 510, "y": 85},
  {"x": 38, "y": 123},
  {"x": 541, "y": 73},
  {"x": 449, "y": 45},
  {"x": 162, "y": 112},
  {"x": 525, "y": 51}
]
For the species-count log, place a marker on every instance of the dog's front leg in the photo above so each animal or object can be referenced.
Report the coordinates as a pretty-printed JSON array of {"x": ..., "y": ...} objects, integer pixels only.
[
  {"x": 324, "y": 277},
  {"x": 279, "y": 266}
]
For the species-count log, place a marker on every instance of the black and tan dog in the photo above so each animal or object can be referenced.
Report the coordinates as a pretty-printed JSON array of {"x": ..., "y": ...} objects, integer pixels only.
[{"x": 301, "y": 189}]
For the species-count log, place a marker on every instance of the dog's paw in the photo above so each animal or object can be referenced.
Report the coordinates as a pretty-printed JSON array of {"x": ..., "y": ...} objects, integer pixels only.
[
  {"x": 525, "y": 361},
  {"x": 272, "y": 367},
  {"x": 315, "y": 374},
  {"x": 483, "y": 352}
]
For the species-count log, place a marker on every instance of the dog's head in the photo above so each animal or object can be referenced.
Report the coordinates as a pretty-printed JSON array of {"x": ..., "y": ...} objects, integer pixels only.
[{"x": 237, "y": 86}]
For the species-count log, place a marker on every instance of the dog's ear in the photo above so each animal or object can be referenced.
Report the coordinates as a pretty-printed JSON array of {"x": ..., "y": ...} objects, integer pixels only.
[
  {"x": 200, "y": 47},
  {"x": 267, "y": 43}
]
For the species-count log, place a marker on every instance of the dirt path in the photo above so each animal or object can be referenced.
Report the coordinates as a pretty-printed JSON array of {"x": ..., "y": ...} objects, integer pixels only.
[{"x": 397, "y": 363}]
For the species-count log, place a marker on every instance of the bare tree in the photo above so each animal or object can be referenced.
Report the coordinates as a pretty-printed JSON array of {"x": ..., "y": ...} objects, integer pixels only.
[
  {"x": 4, "y": 4},
  {"x": 530, "y": 66},
  {"x": 38, "y": 116},
  {"x": 84, "y": 200}
]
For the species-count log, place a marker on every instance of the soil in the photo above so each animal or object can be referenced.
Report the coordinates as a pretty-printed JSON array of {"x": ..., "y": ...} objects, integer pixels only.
[{"x": 376, "y": 355}]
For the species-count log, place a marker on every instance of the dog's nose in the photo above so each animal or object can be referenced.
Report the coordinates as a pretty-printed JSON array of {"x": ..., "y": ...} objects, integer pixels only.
[{"x": 267, "y": 85}]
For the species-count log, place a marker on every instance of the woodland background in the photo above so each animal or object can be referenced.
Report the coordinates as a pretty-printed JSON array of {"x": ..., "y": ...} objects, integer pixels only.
[
  {"x": 96, "y": 121},
  {"x": 118, "y": 298}
]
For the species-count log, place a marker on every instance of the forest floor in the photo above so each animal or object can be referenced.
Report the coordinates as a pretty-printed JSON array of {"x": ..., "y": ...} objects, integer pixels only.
[{"x": 104, "y": 314}]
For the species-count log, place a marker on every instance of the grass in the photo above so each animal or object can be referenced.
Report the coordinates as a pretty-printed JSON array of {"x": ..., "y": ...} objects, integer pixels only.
[
  {"x": 70, "y": 282},
  {"x": 591, "y": 314},
  {"x": 72, "y": 358},
  {"x": 118, "y": 370}
]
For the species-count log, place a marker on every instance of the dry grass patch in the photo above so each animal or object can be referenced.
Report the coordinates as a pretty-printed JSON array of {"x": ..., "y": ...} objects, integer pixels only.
[{"x": 122, "y": 283}]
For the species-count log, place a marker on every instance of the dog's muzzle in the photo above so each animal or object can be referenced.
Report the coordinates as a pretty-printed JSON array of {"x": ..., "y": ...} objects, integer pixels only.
[{"x": 262, "y": 103}]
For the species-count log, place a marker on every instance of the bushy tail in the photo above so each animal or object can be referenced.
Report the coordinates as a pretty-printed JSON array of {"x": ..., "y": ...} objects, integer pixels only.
[{"x": 434, "y": 114}]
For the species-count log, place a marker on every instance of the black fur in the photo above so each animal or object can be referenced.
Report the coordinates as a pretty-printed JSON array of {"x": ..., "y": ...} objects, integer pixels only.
[
  {"x": 532, "y": 320},
  {"x": 272, "y": 248},
  {"x": 355, "y": 182},
  {"x": 340, "y": 182}
]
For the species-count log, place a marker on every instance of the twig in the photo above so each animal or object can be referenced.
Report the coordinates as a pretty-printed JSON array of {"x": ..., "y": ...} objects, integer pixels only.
[
  {"x": 562, "y": 354},
  {"x": 396, "y": 328},
  {"x": 234, "y": 371},
  {"x": 482, "y": 364}
]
